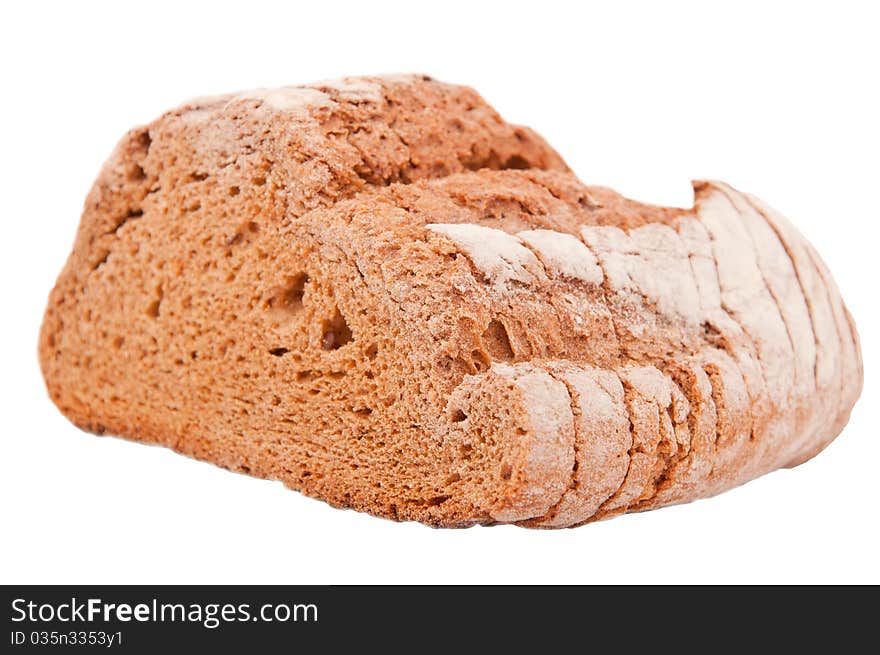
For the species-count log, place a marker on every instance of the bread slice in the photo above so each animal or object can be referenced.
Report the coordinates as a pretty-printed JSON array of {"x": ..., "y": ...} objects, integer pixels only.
[{"x": 378, "y": 292}]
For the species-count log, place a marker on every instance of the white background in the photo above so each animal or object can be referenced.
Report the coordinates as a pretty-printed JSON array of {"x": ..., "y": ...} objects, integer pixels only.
[{"x": 778, "y": 99}]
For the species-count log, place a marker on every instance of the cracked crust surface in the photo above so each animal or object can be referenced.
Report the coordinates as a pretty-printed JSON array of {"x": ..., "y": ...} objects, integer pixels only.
[{"x": 378, "y": 292}]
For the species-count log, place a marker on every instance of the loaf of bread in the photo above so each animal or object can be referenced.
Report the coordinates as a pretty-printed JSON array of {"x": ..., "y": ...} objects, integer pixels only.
[{"x": 378, "y": 292}]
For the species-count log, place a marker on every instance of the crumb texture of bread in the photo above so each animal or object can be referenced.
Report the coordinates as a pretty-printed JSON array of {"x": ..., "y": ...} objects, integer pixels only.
[{"x": 378, "y": 292}]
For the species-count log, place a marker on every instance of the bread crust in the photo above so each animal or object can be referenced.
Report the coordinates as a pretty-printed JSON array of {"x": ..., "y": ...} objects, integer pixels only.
[{"x": 378, "y": 292}]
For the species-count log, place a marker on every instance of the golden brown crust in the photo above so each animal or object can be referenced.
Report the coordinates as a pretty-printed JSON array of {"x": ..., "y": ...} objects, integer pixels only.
[{"x": 378, "y": 292}]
